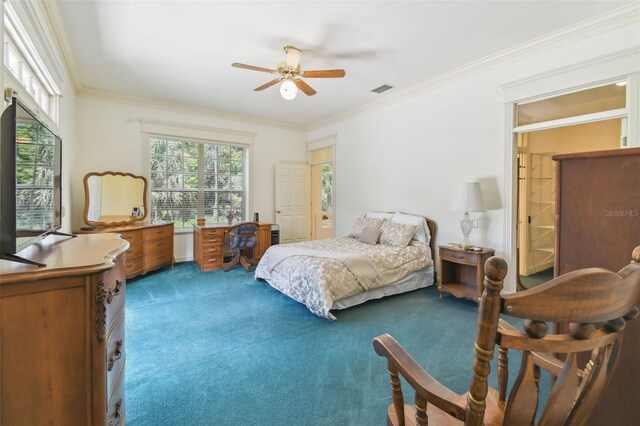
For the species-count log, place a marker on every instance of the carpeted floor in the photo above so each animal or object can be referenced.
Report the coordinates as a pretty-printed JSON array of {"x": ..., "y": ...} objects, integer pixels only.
[{"x": 224, "y": 349}]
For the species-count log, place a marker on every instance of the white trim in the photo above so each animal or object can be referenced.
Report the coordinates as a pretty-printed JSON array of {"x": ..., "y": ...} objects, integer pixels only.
[
  {"x": 103, "y": 95},
  {"x": 510, "y": 219},
  {"x": 633, "y": 123},
  {"x": 570, "y": 121},
  {"x": 616, "y": 18},
  {"x": 574, "y": 78},
  {"x": 323, "y": 142},
  {"x": 194, "y": 131}
]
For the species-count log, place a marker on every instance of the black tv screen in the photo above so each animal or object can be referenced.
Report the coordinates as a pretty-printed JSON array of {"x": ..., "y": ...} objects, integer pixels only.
[{"x": 31, "y": 197}]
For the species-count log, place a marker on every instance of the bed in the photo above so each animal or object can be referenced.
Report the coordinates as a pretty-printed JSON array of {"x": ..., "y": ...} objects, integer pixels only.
[{"x": 338, "y": 273}]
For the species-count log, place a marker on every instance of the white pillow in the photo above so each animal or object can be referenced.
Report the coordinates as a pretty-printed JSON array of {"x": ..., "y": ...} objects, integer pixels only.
[
  {"x": 379, "y": 215},
  {"x": 364, "y": 222},
  {"x": 396, "y": 234},
  {"x": 422, "y": 230}
]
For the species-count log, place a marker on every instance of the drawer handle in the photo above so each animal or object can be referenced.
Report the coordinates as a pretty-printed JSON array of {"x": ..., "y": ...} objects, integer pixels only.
[
  {"x": 115, "y": 292},
  {"x": 128, "y": 237},
  {"x": 213, "y": 240},
  {"x": 116, "y": 355},
  {"x": 458, "y": 256},
  {"x": 212, "y": 259},
  {"x": 160, "y": 231},
  {"x": 116, "y": 415},
  {"x": 159, "y": 244},
  {"x": 213, "y": 249}
]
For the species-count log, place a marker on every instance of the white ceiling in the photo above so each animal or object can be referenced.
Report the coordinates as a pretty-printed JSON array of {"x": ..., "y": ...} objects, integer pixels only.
[{"x": 181, "y": 51}]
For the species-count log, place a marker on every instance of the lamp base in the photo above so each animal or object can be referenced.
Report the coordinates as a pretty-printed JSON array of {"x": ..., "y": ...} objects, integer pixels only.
[{"x": 466, "y": 225}]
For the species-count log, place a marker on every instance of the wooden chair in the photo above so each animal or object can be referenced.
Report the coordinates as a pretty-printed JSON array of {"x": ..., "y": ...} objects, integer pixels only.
[
  {"x": 595, "y": 302},
  {"x": 241, "y": 239}
]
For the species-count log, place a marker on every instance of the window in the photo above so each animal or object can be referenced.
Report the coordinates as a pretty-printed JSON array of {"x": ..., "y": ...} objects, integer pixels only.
[
  {"x": 190, "y": 179},
  {"x": 22, "y": 62}
]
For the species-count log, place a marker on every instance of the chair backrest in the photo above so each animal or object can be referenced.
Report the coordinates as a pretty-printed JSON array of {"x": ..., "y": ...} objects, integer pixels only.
[
  {"x": 595, "y": 303},
  {"x": 242, "y": 235}
]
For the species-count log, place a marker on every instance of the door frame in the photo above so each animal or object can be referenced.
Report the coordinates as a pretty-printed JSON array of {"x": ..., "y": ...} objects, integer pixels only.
[
  {"x": 329, "y": 141},
  {"x": 628, "y": 114}
]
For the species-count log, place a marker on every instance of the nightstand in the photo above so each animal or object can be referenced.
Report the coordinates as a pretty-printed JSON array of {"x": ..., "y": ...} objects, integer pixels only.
[{"x": 462, "y": 271}]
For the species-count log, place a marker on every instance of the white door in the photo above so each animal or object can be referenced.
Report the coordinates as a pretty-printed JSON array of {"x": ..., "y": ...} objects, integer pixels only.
[{"x": 293, "y": 201}]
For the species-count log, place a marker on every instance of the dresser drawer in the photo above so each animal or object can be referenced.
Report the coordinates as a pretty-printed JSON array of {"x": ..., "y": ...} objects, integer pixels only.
[
  {"x": 134, "y": 238},
  {"x": 212, "y": 240},
  {"x": 213, "y": 232},
  {"x": 115, "y": 287},
  {"x": 154, "y": 260},
  {"x": 115, "y": 356},
  {"x": 135, "y": 249},
  {"x": 459, "y": 257},
  {"x": 212, "y": 262},
  {"x": 154, "y": 246},
  {"x": 133, "y": 266},
  {"x": 157, "y": 233}
]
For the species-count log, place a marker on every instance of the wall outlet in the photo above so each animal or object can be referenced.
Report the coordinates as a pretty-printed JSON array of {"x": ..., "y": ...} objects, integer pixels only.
[
  {"x": 475, "y": 223},
  {"x": 63, "y": 211}
]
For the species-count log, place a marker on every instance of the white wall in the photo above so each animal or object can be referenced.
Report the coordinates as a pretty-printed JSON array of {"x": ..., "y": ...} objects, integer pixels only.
[
  {"x": 110, "y": 136},
  {"x": 411, "y": 154}
]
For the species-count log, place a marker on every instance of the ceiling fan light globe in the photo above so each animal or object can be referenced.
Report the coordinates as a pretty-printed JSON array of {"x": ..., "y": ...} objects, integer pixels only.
[{"x": 288, "y": 90}]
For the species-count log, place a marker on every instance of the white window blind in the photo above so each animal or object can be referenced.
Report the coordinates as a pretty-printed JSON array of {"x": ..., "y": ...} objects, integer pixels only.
[{"x": 190, "y": 179}]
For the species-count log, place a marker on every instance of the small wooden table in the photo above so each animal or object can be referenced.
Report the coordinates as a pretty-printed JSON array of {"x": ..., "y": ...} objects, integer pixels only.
[{"x": 462, "y": 271}]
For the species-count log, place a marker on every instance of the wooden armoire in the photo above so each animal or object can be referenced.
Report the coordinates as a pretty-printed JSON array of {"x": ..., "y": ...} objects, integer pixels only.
[{"x": 598, "y": 225}]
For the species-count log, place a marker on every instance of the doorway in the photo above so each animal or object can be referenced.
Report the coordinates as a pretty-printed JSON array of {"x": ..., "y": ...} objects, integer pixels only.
[
  {"x": 322, "y": 194},
  {"x": 575, "y": 122}
]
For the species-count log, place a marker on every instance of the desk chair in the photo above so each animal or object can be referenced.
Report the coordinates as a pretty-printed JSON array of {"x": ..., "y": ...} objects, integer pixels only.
[{"x": 241, "y": 239}]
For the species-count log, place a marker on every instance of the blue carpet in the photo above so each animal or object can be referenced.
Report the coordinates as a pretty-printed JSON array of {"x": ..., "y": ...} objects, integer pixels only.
[{"x": 224, "y": 349}]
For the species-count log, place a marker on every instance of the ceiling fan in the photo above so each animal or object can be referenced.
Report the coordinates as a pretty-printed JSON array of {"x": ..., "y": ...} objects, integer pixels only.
[{"x": 290, "y": 74}]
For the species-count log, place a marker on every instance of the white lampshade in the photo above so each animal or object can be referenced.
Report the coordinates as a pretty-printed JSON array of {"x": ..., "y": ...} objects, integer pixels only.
[
  {"x": 468, "y": 198},
  {"x": 288, "y": 90}
]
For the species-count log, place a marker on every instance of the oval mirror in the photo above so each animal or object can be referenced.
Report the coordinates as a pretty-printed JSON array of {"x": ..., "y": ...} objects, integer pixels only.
[{"x": 114, "y": 198}]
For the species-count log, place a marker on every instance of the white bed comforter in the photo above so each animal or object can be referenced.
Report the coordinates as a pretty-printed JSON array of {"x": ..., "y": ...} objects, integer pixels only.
[{"x": 317, "y": 273}]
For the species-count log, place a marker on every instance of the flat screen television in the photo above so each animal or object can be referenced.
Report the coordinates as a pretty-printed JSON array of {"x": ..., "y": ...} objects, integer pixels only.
[{"x": 31, "y": 181}]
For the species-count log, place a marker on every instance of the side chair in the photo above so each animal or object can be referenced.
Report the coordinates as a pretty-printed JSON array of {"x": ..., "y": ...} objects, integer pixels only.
[{"x": 595, "y": 302}]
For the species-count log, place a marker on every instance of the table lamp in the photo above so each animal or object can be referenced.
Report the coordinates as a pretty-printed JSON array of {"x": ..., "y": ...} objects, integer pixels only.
[{"x": 468, "y": 198}]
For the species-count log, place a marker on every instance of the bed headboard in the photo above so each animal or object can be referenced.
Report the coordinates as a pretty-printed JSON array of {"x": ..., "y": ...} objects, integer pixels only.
[{"x": 432, "y": 230}]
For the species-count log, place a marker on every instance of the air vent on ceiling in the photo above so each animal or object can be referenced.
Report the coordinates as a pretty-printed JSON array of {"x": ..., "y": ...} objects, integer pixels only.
[{"x": 382, "y": 88}]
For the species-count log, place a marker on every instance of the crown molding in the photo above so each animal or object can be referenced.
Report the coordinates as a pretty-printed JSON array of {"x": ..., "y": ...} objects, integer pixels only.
[
  {"x": 52, "y": 15},
  {"x": 104, "y": 95},
  {"x": 617, "y": 18}
]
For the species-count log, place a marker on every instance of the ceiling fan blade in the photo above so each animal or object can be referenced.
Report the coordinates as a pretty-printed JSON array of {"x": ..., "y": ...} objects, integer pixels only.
[
  {"x": 251, "y": 67},
  {"x": 266, "y": 85},
  {"x": 324, "y": 74},
  {"x": 308, "y": 90}
]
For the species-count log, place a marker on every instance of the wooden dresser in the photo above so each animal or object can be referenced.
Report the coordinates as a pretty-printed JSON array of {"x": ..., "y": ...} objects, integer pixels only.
[
  {"x": 207, "y": 244},
  {"x": 151, "y": 245},
  {"x": 62, "y": 348},
  {"x": 598, "y": 225}
]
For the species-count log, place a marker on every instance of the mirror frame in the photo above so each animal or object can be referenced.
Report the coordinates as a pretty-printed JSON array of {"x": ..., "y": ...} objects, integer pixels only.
[{"x": 111, "y": 173}]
